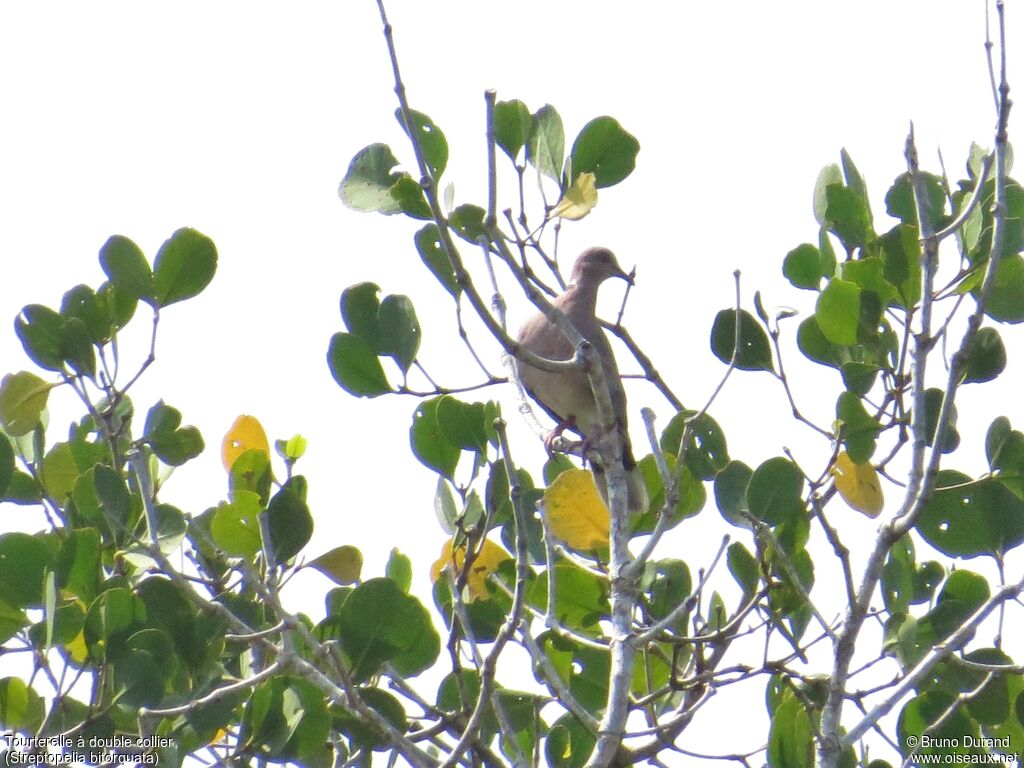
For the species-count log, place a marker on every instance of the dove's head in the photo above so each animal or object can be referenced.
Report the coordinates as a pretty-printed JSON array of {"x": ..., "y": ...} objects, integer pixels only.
[{"x": 595, "y": 265}]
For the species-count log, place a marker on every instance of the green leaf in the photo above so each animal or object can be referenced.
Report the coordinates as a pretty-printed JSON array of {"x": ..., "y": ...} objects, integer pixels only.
[
  {"x": 706, "y": 451},
  {"x": 848, "y": 216},
  {"x": 569, "y": 743},
  {"x": 731, "y": 492},
  {"x": 922, "y": 714},
  {"x": 468, "y": 222},
  {"x": 847, "y": 315},
  {"x": 21, "y": 708},
  {"x": 59, "y": 472},
  {"x": 692, "y": 495},
  {"x": 985, "y": 358},
  {"x": 360, "y": 732},
  {"x": 814, "y": 346},
  {"x": 23, "y": 397},
  {"x": 290, "y": 522},
  {"x": 967, "y": 518},
  {"x": 23, "y": 489},
  {"x": 112, "y": 493},
  {"x": 775, "y": 489},
  {"x": 545, "y": 146},
  {"x": 827, "y": 176},
  {"x": 1004, "y": 447},
  {"x": 803, "y": 267},
  {"x": 605, "y": 149},
  {"x": 235, "y": 526},
  {"x": 90, "y": 309},
  {"x": 172, "y": 445},
  {"x": 399, "y": 570},
  {"x": 743, "y": 567},
  {"x": 355, "y": 366},
  {"x": 897, "y": 586},
  {"x": 853, "y": 178},
  {"x": 901, "y": 262},
  {"x": 754, "y": 354},
  {"x": 408, "y": 193},
  {"x": 126, "y": 267},
  {"x": 183, "y": 267},
  {"x": 670, "y": 585},
  {"x": 75, "y": 347},
  {"x": 932, "y": 406},
  {"x": 24, "y": 561},
  {"x": 462, "y": 424},
  {"x": 178, "y": 447},
  {"x": 511, "y": 126},
  {"x": 359, "y": 309},
  {"x": 859, "y": 430},
  {"x": 429, "y": 442},
  {"x": 41, "y": 331},
  {"x": 78, "y": 566},
  {"x": 430, "y": 139},
  {"x": 398, "y": 330},
  {"x": 6, "y": 462},
  {"x": 1006, "y": 301},
  {"x": 139, "y": 679},
  {"x": 859, "y": 378},
  {"x": 867, "y": 273},
  {"x": 428, "y": 244},
  {"x": 368, "y": 181},
  {"x": 790, "y": 736},
  {"x": 899, "y": 200},
  {"x": 378, "y": 622},
  {"x": 120, "y": 305}
]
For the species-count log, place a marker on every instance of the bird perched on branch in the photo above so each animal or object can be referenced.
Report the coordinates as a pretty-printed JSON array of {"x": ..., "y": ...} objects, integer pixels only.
[{"x": 568, "y": 397}]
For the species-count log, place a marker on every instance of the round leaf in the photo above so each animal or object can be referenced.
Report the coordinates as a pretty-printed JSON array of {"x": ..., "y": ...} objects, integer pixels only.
[
  {"x": 290, "y": 523},
  {"x": 967, "y": 518},
  {"x": 802, "y": 267},
  {"x": 24, "y": 560},
  {"x": 378, "y": 623},
  {"x": 754, "y": 351},
  {"x": 575, "y": 512},
  {"x": 368, "y": 181},
  {"x": 245, "y": 434},
  {"x": 355, "y": 366},
  {"x": 605, "y": 149},
  {"x": 23, "y": 397},
  {"x": 430, "y": 444},
  {"x": 184, "y": 266},
  {"x": 1006, "y": 302},
  {"x": 342, "y": 564},
  {"x": 985, "y": 358},
  {"x": 774, "y": 493},
  {"x": 125, "y": 265}
]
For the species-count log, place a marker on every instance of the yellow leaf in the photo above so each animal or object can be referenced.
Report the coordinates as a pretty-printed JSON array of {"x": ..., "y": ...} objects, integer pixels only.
[
  {"x": 77, "y": 649},
  {"x": 342, "y": 564},
  {"x": 575, "y": 512},
  {"x": 578, "y": 199},
  {"x": 246, "y": 434},
  {"x": 491, "y": 556},
  {"x": 858, "y": 484}
]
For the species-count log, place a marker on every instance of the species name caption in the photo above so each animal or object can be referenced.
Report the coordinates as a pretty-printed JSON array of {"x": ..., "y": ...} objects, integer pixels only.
[{"x": 16, "y": 749}]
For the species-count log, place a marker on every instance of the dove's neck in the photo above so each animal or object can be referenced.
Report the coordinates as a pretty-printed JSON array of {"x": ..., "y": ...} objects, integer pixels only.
[{"x": 580, "y": 296}]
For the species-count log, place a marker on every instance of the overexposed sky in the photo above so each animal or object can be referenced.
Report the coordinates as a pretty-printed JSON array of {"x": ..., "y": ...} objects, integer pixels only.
[{"x": 239, "y": 119}]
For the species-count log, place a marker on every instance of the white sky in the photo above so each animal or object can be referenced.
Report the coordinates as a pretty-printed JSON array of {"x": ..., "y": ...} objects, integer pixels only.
[{"x": 239, "y": 119}]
